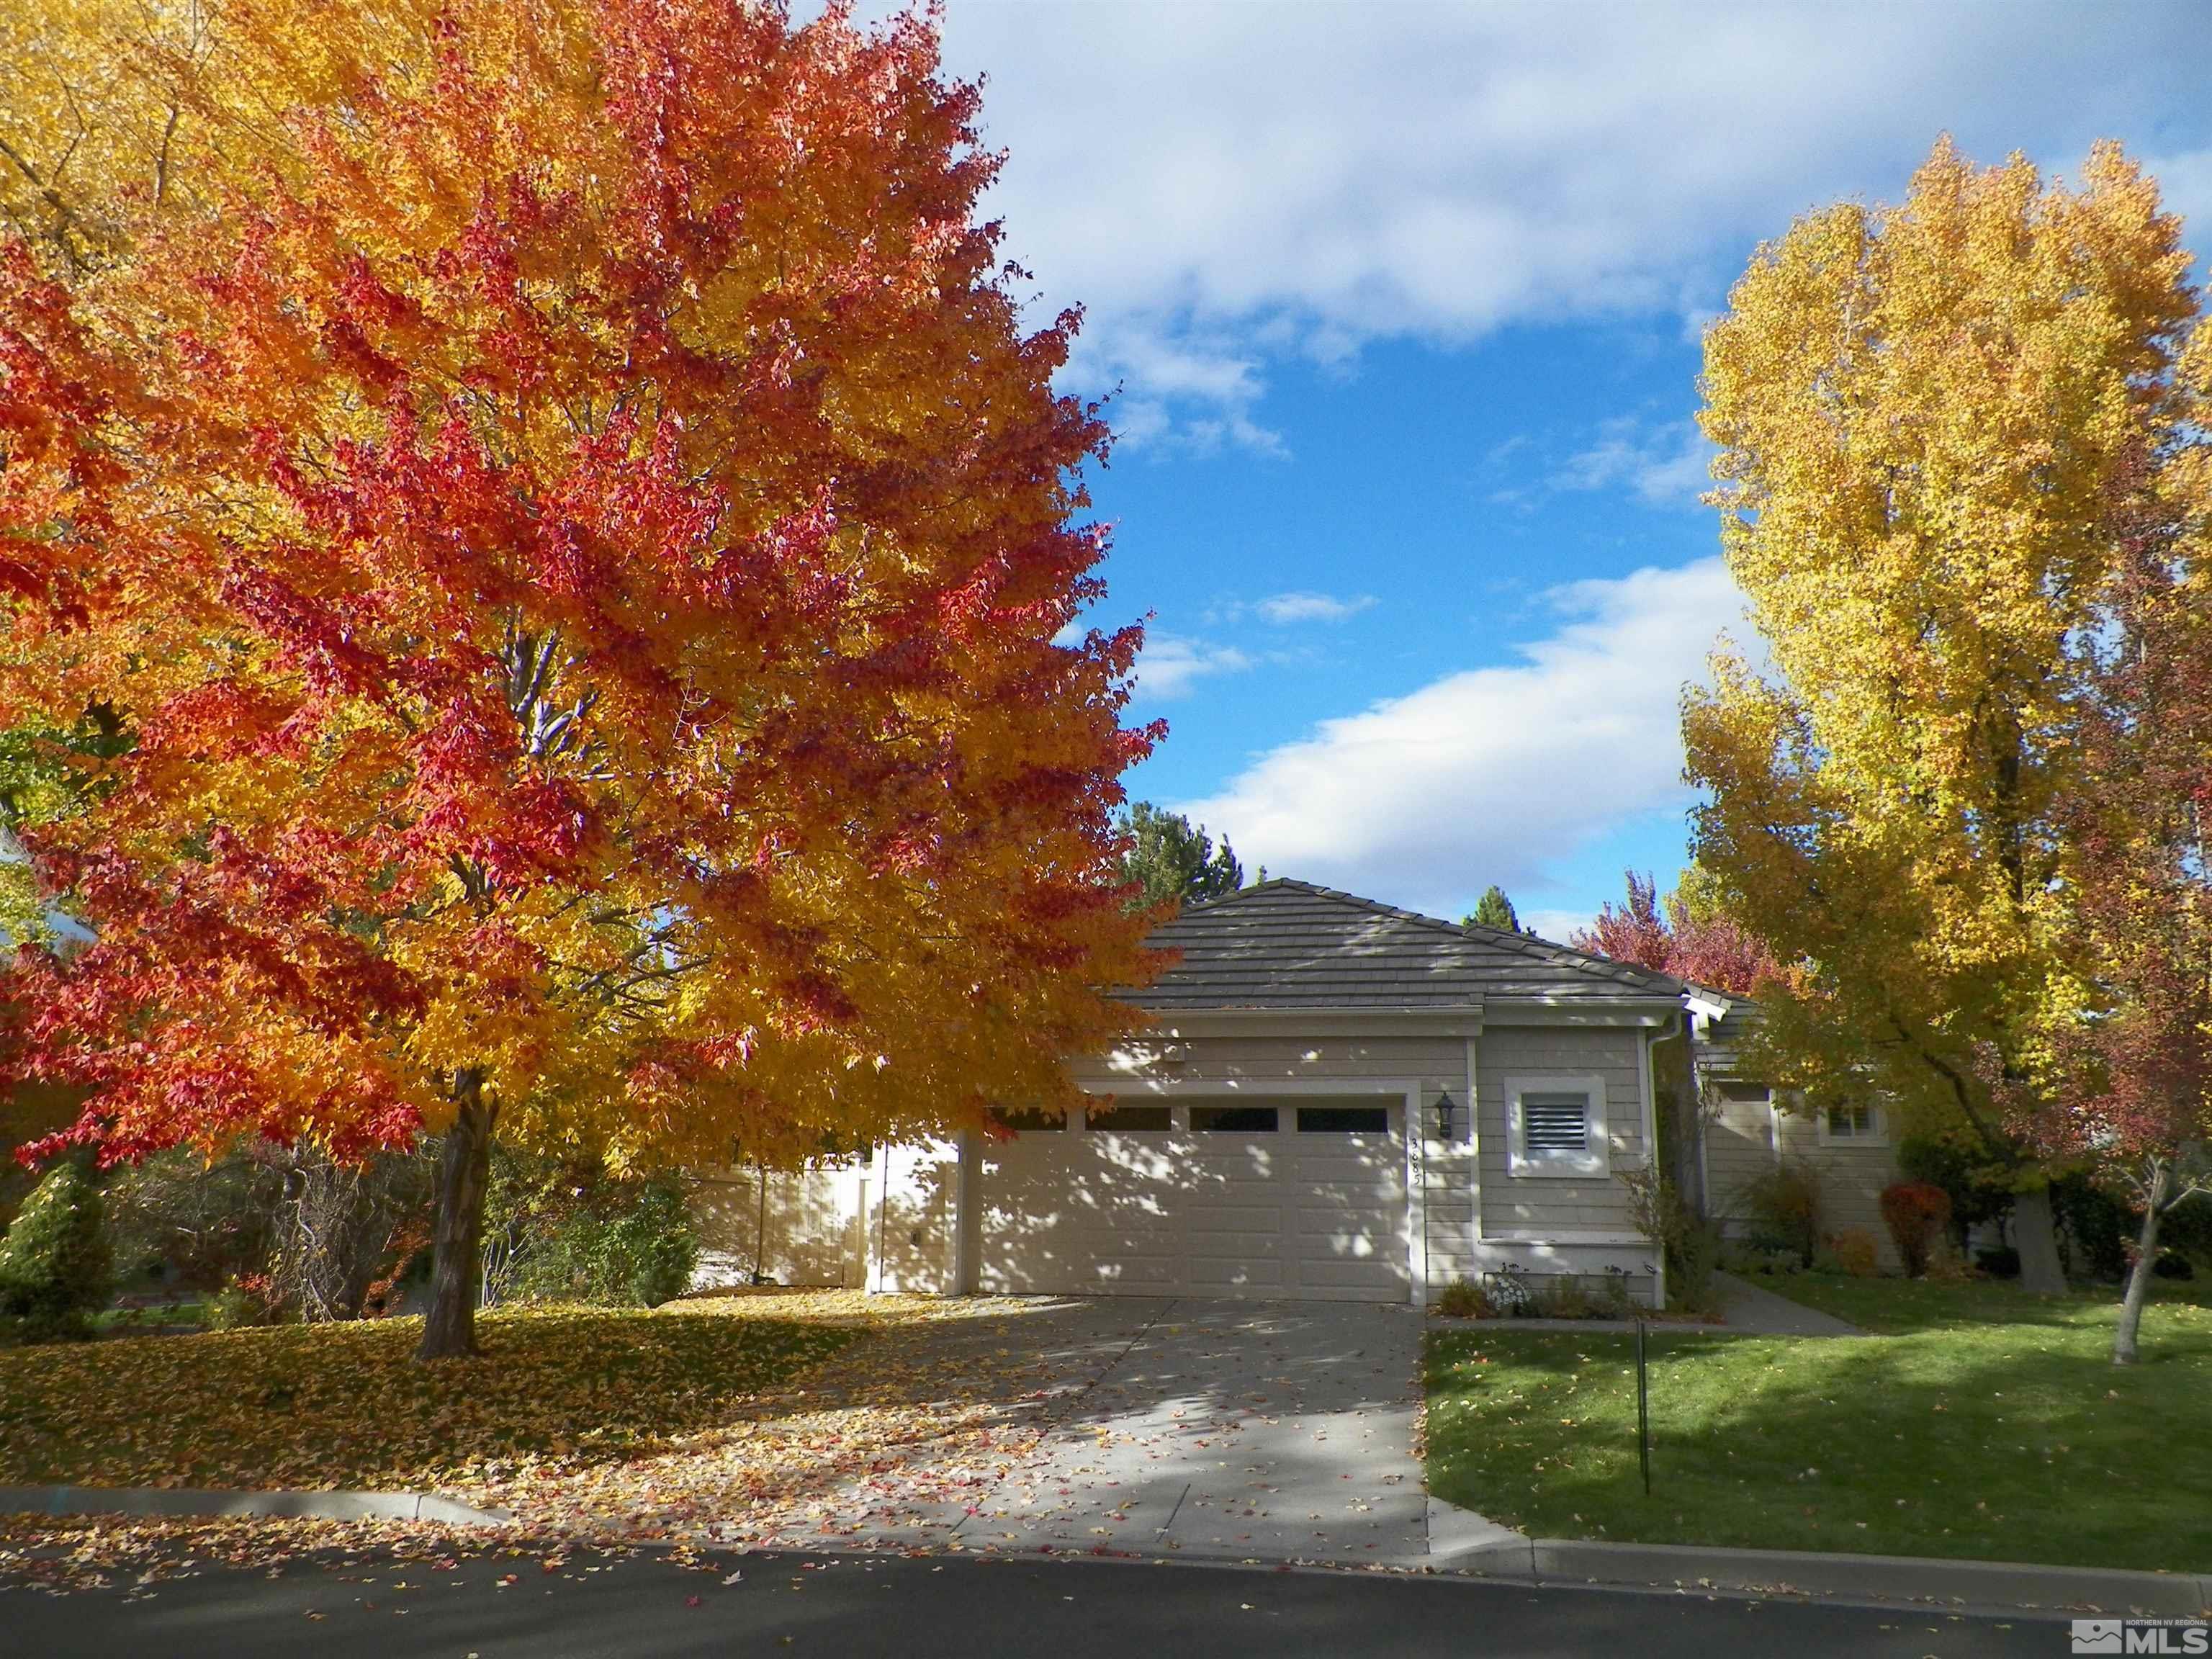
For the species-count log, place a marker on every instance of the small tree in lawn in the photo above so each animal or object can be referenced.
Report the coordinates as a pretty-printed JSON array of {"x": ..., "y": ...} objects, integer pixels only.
[
  {"x": 575, "y": 546},
  {"x": 2133, "y": 1079}
]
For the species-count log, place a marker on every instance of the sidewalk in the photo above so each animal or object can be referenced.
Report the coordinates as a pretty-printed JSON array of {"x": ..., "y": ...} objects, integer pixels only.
[{"x": 1756, "y": 1311}]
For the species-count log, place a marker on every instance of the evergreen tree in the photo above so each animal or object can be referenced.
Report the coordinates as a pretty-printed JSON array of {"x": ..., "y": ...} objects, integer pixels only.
[
  {"x": 1167, "y": 859},
  {"x": 1494, "y": 910}
]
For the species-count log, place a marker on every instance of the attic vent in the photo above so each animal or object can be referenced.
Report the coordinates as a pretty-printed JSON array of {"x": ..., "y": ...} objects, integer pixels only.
[{"x": 1556, "y": 1124}]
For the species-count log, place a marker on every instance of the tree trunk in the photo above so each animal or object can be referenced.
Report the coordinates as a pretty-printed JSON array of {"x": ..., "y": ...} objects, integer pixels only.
[
  {"x": 2036, "y": 1234},
  {"x": 2146, "y": 1262},
  {"x": 463, "y": 1175}
]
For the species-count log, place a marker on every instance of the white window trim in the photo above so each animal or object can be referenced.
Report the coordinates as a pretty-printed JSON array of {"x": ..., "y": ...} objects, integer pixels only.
[
  {"x": 1594, "y": 1164},
  {"x": 1877, "y": 1135}
]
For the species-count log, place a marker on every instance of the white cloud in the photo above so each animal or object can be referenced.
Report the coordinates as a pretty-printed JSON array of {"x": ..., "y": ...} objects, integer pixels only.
[
  {"x": 2185, "y": 184},
  {"x": 1283, "y": 609},
  {"x": 1495, "y": 772},
  {"x": 1558, "y": 926},
  {"x": 1665, "y": 466},
  {"x": 1223, "y": 183},
  {"x": 1171, "y": 664}
]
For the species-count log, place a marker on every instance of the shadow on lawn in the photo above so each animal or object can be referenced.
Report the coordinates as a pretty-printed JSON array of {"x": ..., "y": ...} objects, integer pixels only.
[
  {"x": 1896, "y": 1307},
  {"x": 2013, "y": 1442}
]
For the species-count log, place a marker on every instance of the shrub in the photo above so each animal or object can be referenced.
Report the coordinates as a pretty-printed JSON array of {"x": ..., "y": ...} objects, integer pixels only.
[
  {"x": 1978, "y": 1189},
  {"x": 1785, "y": 1209},
  {"x": 1564, "y": 1295},
  {"x": 55, "y": 1269},
  {"x": 1946, "y": 1261},
  {"x": 2097, "y": 1231},
  {"x": 248, "y": 1300},
  {"x": 1464, "y": 1299},
  {"x": 1917, "y": 1213},
  {"x": 185, "y": 1222},
  {"x": 1857, "y": 1253},
  {"x": 561, "y": 1233},
  {"x": 2171, "y": 1264},
  {"x": 342, "y": 1226},
  {"x": 1692, "y": 1243}
]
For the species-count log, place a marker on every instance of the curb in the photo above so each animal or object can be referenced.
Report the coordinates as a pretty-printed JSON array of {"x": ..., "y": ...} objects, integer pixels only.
[
  {"x": 180, "y": 1501},
  {"x": 1883, "y": 1579}
]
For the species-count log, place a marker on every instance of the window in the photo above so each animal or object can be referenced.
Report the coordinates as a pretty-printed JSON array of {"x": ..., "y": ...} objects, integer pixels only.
[
  {"x": 1233, "y": 1120},
  {"x": 1123, "y": 1120},
  {"x": 1027, "y": 1119},
  {"x": 1344, "y": 1120},
  {"x": 1556, "y": 1126},
  {"x": 1852, "y": 1125}
]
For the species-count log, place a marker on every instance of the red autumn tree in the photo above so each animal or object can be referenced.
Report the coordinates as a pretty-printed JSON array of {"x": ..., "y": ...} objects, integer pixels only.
[
  {"x": 577, "y": 547},
  {"x": 2134, "y": 1058},
  {"x": 1685, "y": 938}
]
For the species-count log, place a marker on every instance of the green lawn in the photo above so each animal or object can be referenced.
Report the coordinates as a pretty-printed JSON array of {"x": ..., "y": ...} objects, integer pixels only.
[
  {"x": 1982, "y": 1424},
  {"x": 347, "y": 1405},
  {"x": 1897, "y": 1307}
]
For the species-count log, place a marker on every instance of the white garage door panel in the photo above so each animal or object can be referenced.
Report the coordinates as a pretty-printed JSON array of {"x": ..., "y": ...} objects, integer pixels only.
[{"x": 1222, "y": 1213}]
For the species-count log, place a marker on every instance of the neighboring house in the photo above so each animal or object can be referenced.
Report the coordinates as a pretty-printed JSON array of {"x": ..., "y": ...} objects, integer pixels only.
[
  {"x": 1336, "y": 1100},
  {"x": 1749, "y": 1129}
]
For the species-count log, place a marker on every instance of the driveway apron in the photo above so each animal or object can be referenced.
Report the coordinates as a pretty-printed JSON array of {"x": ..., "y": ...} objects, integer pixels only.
[{"x": 1261, "y": 1431}]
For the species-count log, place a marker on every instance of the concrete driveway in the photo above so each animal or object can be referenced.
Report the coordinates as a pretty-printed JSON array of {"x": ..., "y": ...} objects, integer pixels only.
[{"x": 1265, "y": 1430}]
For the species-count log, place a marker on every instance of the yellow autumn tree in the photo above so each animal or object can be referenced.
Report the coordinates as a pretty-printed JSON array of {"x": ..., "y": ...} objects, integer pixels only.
[{"x": 1925, "y": 413}]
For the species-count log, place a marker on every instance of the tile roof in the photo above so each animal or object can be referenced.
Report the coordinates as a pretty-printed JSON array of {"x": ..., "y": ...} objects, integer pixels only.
[{"x": 1291, "y": 945}]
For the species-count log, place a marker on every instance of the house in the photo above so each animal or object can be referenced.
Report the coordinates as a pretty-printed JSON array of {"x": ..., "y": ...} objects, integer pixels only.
[
  {"x": 1336, "y": 1100},
  {"x": 1749, "y": 1129}
]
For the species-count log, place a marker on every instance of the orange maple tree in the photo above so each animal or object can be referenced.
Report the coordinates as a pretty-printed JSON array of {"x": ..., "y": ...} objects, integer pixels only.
[{"x": 583, "y": 552}]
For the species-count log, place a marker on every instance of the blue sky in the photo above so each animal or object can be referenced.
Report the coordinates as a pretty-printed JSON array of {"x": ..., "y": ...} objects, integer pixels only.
[{"x": 1402, "y": 304}]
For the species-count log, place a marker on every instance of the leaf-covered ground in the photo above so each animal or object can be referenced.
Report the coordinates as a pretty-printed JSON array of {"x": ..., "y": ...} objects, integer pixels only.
[
  {"x": 1984, "y": 1424},
  {"x": 348, "y": 1405},
  {"x": 942, "y": 1400},
  {"x": 783, "y": 1416}
]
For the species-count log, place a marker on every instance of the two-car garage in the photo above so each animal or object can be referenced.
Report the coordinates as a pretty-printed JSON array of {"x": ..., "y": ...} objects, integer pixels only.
[{"x": 1299, "y": 1195}]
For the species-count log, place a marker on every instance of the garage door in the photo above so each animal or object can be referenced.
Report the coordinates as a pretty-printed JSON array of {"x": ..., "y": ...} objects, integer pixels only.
[{"x": 1302, "y": 1196}]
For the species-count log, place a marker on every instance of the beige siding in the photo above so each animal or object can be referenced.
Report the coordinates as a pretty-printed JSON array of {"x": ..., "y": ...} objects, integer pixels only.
[
  {"x": 806, "y": 1233},
  {"x": 1547, "y": 1205},
  {"x": 1448, "y": 1197},
  {"x": 1738, "y": 1150},
  {"x": 1851, "y": 1179}
]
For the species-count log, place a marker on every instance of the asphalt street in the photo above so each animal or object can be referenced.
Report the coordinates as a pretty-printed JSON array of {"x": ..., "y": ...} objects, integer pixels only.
[{"x": 914, "y": 1608}]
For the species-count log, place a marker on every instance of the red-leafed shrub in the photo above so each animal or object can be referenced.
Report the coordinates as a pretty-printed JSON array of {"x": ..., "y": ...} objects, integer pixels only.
[{"x": 1916, "y": 1213}]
